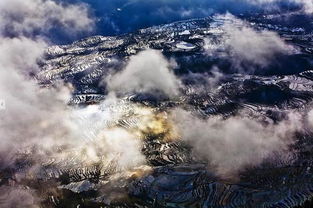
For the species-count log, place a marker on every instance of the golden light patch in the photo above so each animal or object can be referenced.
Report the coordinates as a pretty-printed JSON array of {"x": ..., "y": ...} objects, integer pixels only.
[
  {"x": 140, "y": 172},
  {"x": 156, "y": 124}
]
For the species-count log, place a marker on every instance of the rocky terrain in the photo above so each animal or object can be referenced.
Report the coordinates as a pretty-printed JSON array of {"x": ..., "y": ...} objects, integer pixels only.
[{"x": 174, "y": 175}]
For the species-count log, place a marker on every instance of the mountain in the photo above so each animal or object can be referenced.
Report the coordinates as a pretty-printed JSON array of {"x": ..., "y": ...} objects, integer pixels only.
[{"x": 216, "y": 83}]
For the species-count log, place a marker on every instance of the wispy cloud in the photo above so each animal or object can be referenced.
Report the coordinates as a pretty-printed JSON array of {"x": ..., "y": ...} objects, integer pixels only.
[
  {"x": 246, "y": 47},
  {"x": 307, "y": 5},
  {"x": 230, "y": 145}
]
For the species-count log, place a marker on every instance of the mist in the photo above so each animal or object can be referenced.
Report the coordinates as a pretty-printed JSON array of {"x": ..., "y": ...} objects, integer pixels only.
[{"x": 256, "y": 50}]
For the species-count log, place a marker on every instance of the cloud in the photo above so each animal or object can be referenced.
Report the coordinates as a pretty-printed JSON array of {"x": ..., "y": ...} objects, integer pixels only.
[
  {"x": 230, "y": 145},
  {"x": 148, "y": 71},
  {"x": 100, "y": 137},
  {"x": 307, "y": 5},
  {"x": 26, "y": 103},
  {"x": 20, "y": 54},
  {"x": 33, "y": 116},
  {"x": 39, "y": 121},
  {"x": 310, "y": 118},
  {"x": 122, "y": 146},
  {"x": 245, "y": 46},
  {"x": 29, "y": 17}
]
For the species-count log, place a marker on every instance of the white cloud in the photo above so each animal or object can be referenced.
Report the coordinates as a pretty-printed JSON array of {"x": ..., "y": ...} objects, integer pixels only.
[
  {"x": 20, "y": 54},
  {"x": 24, "y": 121},
  {"x": 23, "y": 17},
  {"x": 308, "y": 5},
  {"x": 39, "y": 119},
  {"x": 33, "y": 116},
  {"x": 148, "y": 71}
]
